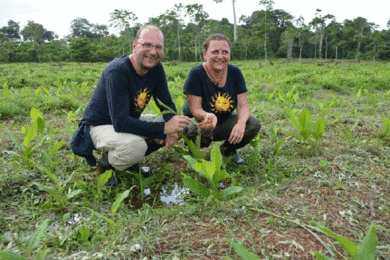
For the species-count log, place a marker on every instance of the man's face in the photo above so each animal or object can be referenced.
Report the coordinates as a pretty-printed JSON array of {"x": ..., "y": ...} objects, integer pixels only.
[{"x": 149, "y": 48}]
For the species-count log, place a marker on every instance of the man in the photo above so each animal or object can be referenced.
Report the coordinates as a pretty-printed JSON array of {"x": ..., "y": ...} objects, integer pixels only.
[{"x": 112, "y": 122}]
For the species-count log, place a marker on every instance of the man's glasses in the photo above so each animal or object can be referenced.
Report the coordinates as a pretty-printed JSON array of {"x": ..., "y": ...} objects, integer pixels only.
[{"x": 149, "y": 46}]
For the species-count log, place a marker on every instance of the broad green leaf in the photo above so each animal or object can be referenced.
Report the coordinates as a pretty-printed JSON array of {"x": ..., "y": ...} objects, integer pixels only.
[
  {"x": 319, "y": 129},
  {"x": 30, "y": 135},
  {"x": 190, "y": 160},
  {"x": 73, "y": 194},
  {"x": 305, "y": 118},
  {"x": 205, "y": 168},
  {"x": 196, "y": 153},
  {"x": 40, "y": 124},
  {"x": 347, "y": 244},
  {"x": 231, "y": 190},
  {"x": 119, "y": 200},
  {"x": 84, "y": 233},
  {"x": 216, "y": 157},
  {"x": 8, "y": 255},
  {"x": 279, "y": 144},
  {"x": 56, "y": 147},
  {"x": 220, "y": 175},
  {"x": 293, "y": 118},
  {"x": 195, "y": 186},
  {"x": 243, "y": 252},
  {"x": 103, "y": 178},
  {"x": 321, "y": 256},
  {"x": 180, "y": 103},
  {"x": 217, "y": 195},
  {"x": 367, "y": 249},
  {"x": 35, "y": 114},
  {"x": 37, "y": 235},
  {"x": 306, "y": 133}
]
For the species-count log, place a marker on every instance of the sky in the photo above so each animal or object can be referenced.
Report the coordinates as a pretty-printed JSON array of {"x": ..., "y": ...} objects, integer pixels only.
[{"x": 57, "y": 15}]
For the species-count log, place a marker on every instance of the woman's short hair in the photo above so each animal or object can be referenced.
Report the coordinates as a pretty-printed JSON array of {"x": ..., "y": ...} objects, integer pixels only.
[{"x": 215, "y": 37}]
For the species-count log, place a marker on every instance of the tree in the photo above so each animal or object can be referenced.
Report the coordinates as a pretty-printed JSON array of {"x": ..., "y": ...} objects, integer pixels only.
[
  {"x": 303, "y": 34},
  {"x": 11, "y": 31},
  {"x": 334, "y": 32},
  {"x": 198, "y": 17},
  {"x": 234, "y": 18},
  {"x": 81, "y": 49},
  {"x": 80, "y": 27},
  {"x": 268, "y": 5},
  {"x": 319, "y": 23},
  {"x": 287, "y": 39},
  {"x": 35, "y": 32},
  {"x": 123, "y": 20}
]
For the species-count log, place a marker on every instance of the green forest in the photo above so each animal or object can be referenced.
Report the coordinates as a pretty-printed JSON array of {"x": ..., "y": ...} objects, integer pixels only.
[{"x": 267, "y": 33}]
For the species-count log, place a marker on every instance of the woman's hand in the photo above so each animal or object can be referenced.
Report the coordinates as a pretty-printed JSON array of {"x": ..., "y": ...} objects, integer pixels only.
[
  {"x": 237, "y": 133},
  {"x": 209, "y": 122}
]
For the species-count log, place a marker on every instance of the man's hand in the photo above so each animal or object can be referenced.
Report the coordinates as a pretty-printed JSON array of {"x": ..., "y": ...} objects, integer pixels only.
[
  {"x": 176, "y": 124},
  {"x": 171, "y": 139},
  {"x": 209, "y": 122},
  {"x": 237, "y": 133}
]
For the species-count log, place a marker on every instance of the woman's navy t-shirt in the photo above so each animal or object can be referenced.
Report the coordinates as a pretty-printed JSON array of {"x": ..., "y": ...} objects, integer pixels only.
[{"x": 220, "y": 101}]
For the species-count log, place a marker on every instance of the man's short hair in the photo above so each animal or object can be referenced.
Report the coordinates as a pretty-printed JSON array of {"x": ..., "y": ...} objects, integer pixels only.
[{"x": 147, "y": 28}]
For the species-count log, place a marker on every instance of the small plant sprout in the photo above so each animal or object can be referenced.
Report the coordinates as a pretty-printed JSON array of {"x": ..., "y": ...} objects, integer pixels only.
[
  {"x": 306, "y": 129},
  {"x": 365, "y": 251},
  {"x": 274, "y": 137}
]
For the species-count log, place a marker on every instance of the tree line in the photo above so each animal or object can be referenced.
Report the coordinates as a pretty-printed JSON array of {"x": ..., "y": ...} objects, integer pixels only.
[{"x": 265, "y": 34}]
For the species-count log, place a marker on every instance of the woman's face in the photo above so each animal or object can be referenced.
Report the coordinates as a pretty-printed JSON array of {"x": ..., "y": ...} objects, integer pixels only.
[{"x": 218, "y": 55}]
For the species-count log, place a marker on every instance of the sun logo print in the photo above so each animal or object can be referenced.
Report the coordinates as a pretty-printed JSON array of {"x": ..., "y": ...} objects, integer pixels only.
[
  {"x": 142, "y": 99},
  {"x": 221, "y": 103}
]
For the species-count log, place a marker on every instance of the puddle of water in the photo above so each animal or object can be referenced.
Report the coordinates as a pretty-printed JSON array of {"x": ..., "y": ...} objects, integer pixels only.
[
  {"x": 170, "y": 194},
  {"x": 175, "y": 196}
]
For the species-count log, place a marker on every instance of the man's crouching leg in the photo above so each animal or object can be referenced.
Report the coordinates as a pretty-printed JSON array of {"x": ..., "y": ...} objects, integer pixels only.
[{"x": 124, "y": 150}]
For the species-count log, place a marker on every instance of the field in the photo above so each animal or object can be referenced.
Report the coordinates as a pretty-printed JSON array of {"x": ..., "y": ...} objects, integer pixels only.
[{"x": 322, "y": 159}]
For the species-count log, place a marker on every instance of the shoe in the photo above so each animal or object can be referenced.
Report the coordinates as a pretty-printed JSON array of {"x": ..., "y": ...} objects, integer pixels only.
[
  {"x": 113, "y": 182},
  {"x": 237, "y": 159},
  {"x": 145, "y": 171},
  {"x": 103, "y": 165}
]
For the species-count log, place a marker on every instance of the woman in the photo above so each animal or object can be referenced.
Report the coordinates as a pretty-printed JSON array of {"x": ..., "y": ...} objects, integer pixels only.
[{"x": 214, "y": 90}]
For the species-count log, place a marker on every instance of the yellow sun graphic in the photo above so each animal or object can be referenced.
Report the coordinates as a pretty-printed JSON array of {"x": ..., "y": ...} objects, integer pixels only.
[
  {"x": 142, "y": 99},
  {"x": 222, "y": 103}
]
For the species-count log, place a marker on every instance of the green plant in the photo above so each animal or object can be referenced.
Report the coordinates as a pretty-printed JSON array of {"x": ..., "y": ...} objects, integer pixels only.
[
  {"x": 61, "y": 193},
  {"x": 32, "y": 244},
  {"x": 243, "y": 252},
  {"x": 365, "y": 251},
  {"x": 274, "y": 137},
  {"x": 386, "y": 126},
  {"x": 302, "y": 123},
  {"x": 27, "y": 148},
  {"x": 212, "y": 171},
  {"x": 347, "y": 131}
]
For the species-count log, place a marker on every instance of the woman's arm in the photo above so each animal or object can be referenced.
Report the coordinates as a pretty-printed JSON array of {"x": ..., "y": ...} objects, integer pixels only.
[
  {"x": 243, "y": 114},
  {"x": 195, "y": 104}
]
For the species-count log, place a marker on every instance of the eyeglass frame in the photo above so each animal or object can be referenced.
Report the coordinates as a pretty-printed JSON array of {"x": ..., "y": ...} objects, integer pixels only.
[{"x": 159, "y": 48}]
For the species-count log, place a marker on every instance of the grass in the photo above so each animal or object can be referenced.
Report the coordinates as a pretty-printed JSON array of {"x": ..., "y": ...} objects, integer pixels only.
[{"x": 342, "y": 183}]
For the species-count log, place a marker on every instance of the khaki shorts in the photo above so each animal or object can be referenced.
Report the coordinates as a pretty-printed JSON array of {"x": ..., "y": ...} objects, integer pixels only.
[{"x": 124, "y": 149}]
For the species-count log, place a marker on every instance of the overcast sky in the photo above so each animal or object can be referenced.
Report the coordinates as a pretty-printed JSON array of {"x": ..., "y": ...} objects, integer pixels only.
[{"x": 57, "y": 15}]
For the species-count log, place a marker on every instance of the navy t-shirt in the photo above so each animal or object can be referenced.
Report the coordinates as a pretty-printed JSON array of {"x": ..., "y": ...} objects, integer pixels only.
[
  {"x": 121, "y": 95},
  {"x": 220, "y": 101}
]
